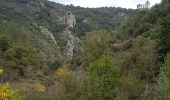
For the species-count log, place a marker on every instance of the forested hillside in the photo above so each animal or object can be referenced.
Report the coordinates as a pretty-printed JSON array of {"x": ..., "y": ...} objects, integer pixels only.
[{"x": 50, "y": 51}]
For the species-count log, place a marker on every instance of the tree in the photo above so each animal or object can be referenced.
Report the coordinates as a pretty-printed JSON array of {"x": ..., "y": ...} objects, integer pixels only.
[
  {"x": 20, "y": 57},
  {"x": 147, "y": 4},
  {"x": 1, "y": 71},
  {"x": 164, "y": 36},
  {"x": 4, "y": 43},
  {"x": 144, "y": 6},
  {"x": 102, "y": 80},
  {"x": 66, "y": 78},
  {"x": 95, "y": 44},
  {"x": 7, "y": 93},
  {"x": 39, "y": 88},
  {"x": 163, "y": 86},
  {"x": 165, "y": 1},
  {"x": 139, "y": 6}
]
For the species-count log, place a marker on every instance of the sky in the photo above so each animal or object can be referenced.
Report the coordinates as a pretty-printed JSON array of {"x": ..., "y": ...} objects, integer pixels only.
[{"x": 103, "y": 3}]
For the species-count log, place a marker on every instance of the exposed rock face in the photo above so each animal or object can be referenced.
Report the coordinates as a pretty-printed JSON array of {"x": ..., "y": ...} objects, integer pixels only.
[
  {"x": 85, "y": 21},
  {"x": 48, "y": 35},
  {"x": 71, "y": 20},
  {"x": 58, "y": 20},
  {"x": 123, "y": 17},
  {"x": 63, "y": 17},
  {"x": 73, "y": 44},
  {"x": 41, "y": 9}
]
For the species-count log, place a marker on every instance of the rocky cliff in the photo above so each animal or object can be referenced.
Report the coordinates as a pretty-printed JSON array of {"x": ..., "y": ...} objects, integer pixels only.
[
  {"x": 59, "y": 27},
  {"x": 54, "y": 24}
]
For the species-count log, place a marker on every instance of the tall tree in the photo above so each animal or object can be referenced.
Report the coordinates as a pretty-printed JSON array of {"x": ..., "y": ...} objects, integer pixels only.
[
  {"x": 165, "y": 36},
  {"x": 147, "y": 4},
  {"x": 102, "y": 81},
  {"x": 95, "y": 43},
  {"x": 163, "y": 87}
]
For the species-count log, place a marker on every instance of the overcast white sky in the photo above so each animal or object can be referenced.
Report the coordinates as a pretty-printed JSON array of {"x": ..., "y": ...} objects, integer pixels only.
[{"x": 102, "y": 3}]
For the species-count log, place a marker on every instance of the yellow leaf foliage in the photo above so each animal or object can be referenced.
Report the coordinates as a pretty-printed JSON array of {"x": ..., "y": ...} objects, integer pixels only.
[
  {"x": 3, "y": 96},
  {"x": 63, "y": 73},
  {"x": 7, "y": 93},
  {"x": 1, "y": 71},
  {"x": 40, "y": 88}
]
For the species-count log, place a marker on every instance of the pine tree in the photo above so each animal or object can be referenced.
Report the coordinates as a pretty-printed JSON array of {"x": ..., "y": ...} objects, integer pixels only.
[{"x": 147, "y": 4}]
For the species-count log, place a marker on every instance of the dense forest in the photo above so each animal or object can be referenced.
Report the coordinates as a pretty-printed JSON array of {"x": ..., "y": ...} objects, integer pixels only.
[{"x": 50, "y": 51}]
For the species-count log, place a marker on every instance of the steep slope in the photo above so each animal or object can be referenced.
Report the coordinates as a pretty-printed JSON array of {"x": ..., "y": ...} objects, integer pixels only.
[
  {"x": 46, "y": 19},
  {"x": 37, "y": 37},
  {"x": 53, "y": 21},
  {"x": 96, "y": 18}
]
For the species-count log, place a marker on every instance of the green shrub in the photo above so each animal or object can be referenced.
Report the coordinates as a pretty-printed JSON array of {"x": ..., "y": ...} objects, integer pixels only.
[{"x": 7, "y": 93}]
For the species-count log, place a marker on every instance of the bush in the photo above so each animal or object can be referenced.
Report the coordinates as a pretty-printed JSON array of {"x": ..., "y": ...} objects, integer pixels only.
[
  {"x": 95, "y": 44},
  {"x": 4, "y": 43},
  {"x": 20, "y": 57},
  {"x": 7, "y": 93},
  {"x": 102, "y": 80}
]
